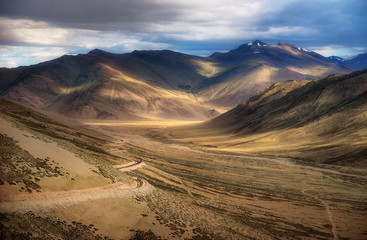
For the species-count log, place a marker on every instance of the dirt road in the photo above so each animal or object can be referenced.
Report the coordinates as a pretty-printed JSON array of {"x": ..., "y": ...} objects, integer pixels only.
[
  {"x": 130, "y": 166},
  {"x": 63, "y": 199}
]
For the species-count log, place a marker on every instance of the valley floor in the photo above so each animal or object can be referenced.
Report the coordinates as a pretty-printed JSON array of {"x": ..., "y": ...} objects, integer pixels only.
[
  {"x": 171, "y": 189},
  {"x": 230, "y": 195}
]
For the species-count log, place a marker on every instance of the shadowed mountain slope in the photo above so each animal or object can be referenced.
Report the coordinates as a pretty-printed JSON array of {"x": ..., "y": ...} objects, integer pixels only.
[
  {"x": 359, "y": 62},
  {"x": 321, "y": 120},
  {"x": 294, "y": 104}
]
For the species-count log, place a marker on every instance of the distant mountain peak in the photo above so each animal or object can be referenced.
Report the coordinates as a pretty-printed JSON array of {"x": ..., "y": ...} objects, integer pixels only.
[
  {"x": 257, "y": 43},
  {"x": 161, "y": 51},
  {"x": 249, "y": 46},
  {"x": 335, "y": 59},
  {"x": 97, "y": 52}
]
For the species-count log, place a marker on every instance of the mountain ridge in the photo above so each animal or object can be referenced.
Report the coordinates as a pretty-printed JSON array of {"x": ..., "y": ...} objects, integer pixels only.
[{"x": 206, "y": 84}]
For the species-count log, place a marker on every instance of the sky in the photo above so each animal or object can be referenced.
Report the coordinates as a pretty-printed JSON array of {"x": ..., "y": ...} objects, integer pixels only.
[{"x": 33, "y": 31}]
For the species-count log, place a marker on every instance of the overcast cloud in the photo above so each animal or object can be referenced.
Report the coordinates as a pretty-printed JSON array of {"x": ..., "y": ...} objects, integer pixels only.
[{"x": 39, "y": 30}]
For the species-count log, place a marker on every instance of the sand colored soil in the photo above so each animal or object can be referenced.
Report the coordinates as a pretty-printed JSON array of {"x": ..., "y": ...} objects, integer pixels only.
[
  {"x": 42, "y": 149},
  {"x": 49, "y": 200}
]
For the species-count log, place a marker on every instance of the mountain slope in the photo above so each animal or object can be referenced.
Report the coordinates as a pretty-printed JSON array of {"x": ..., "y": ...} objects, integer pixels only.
[
  {"x": 253, "y": 66},
  {"x": 321, "y": 120},
  {"x": 307, "y": 102},
  {"x": 110, "y": 86},
  {"x": 119, "y": 96},
  {"x": 159, "y": 84},
  {"x": 359, "y": 62}
]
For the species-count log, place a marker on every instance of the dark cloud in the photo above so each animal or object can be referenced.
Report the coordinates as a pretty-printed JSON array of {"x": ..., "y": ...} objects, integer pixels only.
[
  {"x": 190, "y": 26},
  {"x": 92, "y": 14},
  {"x": 334, "y": 22}
]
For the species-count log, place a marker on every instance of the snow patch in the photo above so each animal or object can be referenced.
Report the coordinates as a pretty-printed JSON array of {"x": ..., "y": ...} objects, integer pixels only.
[
  {"x": 256, "y": 43},
  {"x": 336, "y": 59},
  {"x": 303, "y": 49}
]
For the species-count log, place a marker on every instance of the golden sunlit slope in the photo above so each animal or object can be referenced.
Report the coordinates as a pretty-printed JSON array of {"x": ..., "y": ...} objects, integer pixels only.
[
  {"x": 118, "y": 96},
  {"x": 113, "y": 86},
  {"x": 321, "y": 120},
  {"x": 244, "y": 82}
]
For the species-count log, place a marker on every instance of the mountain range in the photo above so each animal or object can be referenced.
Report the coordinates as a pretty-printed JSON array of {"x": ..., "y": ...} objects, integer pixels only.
[{"x": 163, "y": 83}]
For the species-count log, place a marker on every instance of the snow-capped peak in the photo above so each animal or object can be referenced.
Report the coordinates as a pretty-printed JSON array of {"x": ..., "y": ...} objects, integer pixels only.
[
  {"x": 335, "y": 59},
  {"x": 257, "y": 43}
]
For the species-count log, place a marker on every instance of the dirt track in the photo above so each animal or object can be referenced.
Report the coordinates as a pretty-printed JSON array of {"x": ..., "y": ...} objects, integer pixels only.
[
  {"x": 62, "y": 199},
  {"x": 130, "y": 166},
  {"x": 327, "y": 208}
]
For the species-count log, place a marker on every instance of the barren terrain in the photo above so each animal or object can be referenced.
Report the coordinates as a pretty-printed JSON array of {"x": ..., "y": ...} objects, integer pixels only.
[
  {"x": 231, "y": 195},
  {"x": 138, "y": 181}
]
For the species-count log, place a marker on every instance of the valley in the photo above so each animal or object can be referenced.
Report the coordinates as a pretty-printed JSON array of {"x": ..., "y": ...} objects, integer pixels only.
[
  {"x": 316, "y": 122},
  {"x": 183, "y": 190},
  {"x": 249, "y": 196}
]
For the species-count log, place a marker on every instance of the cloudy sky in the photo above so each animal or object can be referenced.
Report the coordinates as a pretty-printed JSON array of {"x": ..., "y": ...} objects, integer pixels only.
[{"x": 32, "y": 31}]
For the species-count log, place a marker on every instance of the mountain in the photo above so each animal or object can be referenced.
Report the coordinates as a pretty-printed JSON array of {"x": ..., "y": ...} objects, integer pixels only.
[
  {"x": 321, "y": 120},
  {"x": 254, "y": 66},
  {"x": 358, "y": 62},
  {"x": 335, "y": 59},
  {"x": 111, "y": 86},
  {"x": 163, "y": 84}
]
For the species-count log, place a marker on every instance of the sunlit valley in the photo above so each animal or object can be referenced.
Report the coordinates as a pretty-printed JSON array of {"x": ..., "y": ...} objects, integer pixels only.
[
  {"x": 159, "y": 144},
  {"x": 254, "y": 139}
]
